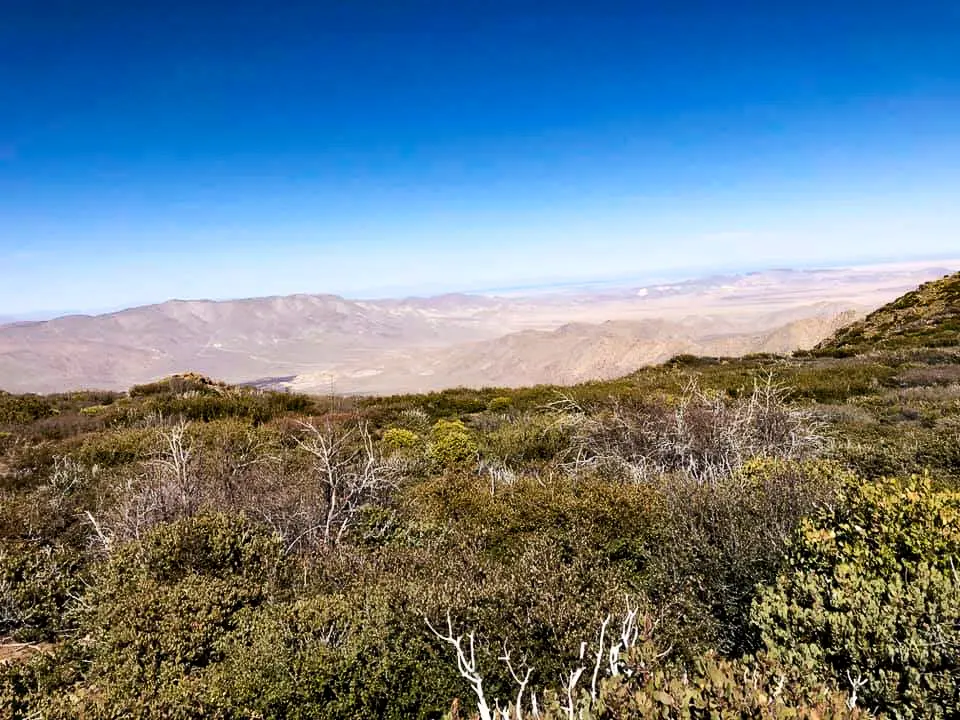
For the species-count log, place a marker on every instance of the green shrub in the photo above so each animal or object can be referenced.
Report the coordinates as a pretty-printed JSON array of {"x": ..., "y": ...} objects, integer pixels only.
[
  {"x": 161, "y": 607},
  {"x": 194, "y": 397},
  {"x": 258, "y": 407},
  {"x": 214, "y": 545},
  {"x": 530, "y": 437},
  {"x": 399, "y": 440},
  {"x": 500, "y": 404},
  {"x": 837, "y": 381},
  {"x": 117, "y": 447},
  {"x": 451, "y": 444},
  {"x": 178, "y": 385},
  {"x": 872, "y": 593},
  {"x": 44, "y": 685},
  {"x": 23, "y": 409},
  {"x": 281, "y": 661},
  {"x": 716, "y": 688},
  {"x": 327, "y": 657},
  {"x": 38, "y": 585}
]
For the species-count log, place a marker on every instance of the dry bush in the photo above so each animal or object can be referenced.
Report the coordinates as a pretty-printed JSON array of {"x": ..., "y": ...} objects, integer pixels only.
[
  {"x": 187, "y": 472},
  {"x": 310, "y": 498},
  {"x": 722, "y": 539},
  {"x": 701, "y": 435},
  {"x": 166, "y": 488},
  {"x": 345, "y": 475},
  {"x": 733, "y": 477}
]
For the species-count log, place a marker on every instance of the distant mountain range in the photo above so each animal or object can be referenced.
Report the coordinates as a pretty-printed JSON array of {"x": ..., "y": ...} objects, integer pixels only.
[
  {"x": 575, "y": 352},
  {"x": 319, "y": 342}
]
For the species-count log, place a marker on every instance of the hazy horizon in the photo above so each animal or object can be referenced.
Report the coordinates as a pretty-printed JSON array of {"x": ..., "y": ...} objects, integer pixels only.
[
  {"x": 530, "y": 288},
  {"x": 251, "y": 149}
]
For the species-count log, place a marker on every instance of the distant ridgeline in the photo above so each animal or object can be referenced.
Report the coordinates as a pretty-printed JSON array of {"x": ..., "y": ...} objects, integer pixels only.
[{"x": 926, "y": 317}]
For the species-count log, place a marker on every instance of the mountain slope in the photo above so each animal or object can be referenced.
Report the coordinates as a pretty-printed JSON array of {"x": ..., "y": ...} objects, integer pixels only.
[
  {"x": 389, "y": 345},
  {"x": 576, "y": 352},
  {"x": 926, "y": 317},
  {"x": 236, "y": 340}
]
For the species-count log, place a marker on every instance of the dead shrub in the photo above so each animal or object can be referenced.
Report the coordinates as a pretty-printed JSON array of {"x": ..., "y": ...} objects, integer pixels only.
[{"x": 701, "y": 435}]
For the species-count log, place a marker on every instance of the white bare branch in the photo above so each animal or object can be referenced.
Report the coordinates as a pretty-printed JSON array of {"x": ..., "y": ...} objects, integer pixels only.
[
  {"x": 350, "y": 475},
  {"x": 466, "y": 665},
  {"x": 855, "y": 685},
  {"x": 106, "y": 540},
  {"x": 600, "y": 653},
  {"x": 522, "y": 684},
  {"x": 571, "y": 685}
]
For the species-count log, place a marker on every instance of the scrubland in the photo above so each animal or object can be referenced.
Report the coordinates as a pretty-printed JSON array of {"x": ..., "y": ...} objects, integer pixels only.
[{"x": 763, "y": 537}]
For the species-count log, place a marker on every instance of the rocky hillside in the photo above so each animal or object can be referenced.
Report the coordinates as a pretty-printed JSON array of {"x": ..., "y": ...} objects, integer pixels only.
[{"x": 926, "y": 317}]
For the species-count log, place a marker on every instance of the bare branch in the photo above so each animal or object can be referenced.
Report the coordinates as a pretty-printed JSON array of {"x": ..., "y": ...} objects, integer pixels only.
[
  {"x": 350, "y": 476},
  {"x": 596, "y": 667},
  {"x": 516, "y": 678},
  {"x": 855, "y": 685},
  {"x": 466, "y": 666}
]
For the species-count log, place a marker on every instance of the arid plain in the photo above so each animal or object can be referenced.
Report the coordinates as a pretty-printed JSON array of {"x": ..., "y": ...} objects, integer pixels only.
[{"x": 561, "y": 334}]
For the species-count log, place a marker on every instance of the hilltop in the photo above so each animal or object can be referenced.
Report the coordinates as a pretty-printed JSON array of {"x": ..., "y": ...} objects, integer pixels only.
[{"x": 926, "y": 317}]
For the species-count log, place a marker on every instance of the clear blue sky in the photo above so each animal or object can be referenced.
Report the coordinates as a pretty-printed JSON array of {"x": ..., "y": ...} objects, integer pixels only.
[{"x": 207, "y": 149}]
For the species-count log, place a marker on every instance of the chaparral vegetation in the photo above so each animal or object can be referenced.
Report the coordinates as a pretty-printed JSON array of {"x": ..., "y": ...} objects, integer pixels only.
[{"x": 764, "y": 537}]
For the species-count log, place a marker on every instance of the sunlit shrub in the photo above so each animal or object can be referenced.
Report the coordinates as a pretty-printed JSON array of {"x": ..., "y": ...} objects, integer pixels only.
[
  {"x": 500, "y": 404},
  {"x": 451, "y": 444},
  {"x": 399, "y": 440},
  {"x": 530, "y": 437},
  {"x": 717, "y": 688},
  {"x": 117, "y": 447},
  {"x": 872, "y": 594}
]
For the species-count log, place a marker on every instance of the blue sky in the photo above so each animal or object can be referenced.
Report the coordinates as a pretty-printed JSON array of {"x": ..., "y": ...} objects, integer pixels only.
[{"x": 158, "y": 150}]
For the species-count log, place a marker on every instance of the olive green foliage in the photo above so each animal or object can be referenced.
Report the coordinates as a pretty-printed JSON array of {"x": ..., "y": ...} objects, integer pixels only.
[
  {"x": 183, "y": 384},
  {"x": 451, "y": 444},
  {"x": 23, "y": 409},
  {"x": 711, "y": 687},
  {"x": 119, "y": 447},
  {"x": 872, "y": 593},
  {"x": 45, "y": 686},
  {"x": 720, "y": 688},
  {"x": 194, "y": 397},
  {"x": 160, "y": 608},
  {"x": 501, "y": 403},
  {"x": 530, "y": 437},
  {"x": 37, "y": 587},
  {"x": 174, "y": 551},
  {"x": 326, "y": 657},
  {"x": 398, "y": 439}
]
